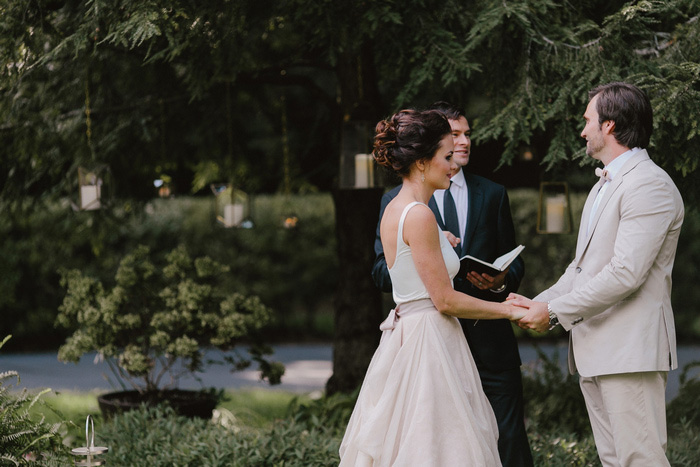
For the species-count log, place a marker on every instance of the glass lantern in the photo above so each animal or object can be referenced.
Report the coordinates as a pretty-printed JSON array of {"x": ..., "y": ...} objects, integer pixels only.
[
  {"x": 232, "y": 207},
  {"x": 554, "y": 209},
  {"x": 357, "y": 167},
  {"x": 91, "y": 183}
]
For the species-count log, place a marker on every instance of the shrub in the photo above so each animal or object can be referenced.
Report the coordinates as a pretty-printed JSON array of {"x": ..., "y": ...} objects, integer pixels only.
[
  {"x": 157, "y": 437},
  {"x": 27, "y": 439},
  {"x": 560, "y": 448},
  {"x": 553, "y": 399},
  {"x": 684, "y": 409},
  {"x": 156, "y": 320}
]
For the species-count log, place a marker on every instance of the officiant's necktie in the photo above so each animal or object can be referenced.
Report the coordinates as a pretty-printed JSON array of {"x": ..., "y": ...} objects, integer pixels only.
[{"x": 450, "y": 212}]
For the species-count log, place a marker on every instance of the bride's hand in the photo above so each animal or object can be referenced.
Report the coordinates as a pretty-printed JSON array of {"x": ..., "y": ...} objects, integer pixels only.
[
  {"x": 519, "y": 300},
  {"x": 516, "y": 312}
]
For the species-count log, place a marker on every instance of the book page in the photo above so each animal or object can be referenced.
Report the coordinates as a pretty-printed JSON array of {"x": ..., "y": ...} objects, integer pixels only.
[{"x": 502, "y": 261}]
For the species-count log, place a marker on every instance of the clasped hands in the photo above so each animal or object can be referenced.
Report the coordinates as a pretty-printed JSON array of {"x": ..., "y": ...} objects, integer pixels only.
[{"x": 537, "y": 315}]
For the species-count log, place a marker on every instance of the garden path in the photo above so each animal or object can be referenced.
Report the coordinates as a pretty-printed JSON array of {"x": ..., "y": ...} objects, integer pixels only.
[{"x": 308, "y": 367}]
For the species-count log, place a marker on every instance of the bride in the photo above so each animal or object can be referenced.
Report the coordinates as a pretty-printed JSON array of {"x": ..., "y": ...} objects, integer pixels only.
[{"x": 421, "y": 403}]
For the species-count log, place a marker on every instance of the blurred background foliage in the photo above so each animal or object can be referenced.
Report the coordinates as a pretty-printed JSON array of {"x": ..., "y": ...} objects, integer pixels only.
[
  {"x": 293, "y": 271},
  {"x": 201, "y": 93}
]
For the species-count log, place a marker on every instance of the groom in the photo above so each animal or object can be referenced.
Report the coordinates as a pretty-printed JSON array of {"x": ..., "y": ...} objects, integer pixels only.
[
  {"x": 615, "y": 296},
  {"x": 484, "y": 229}
]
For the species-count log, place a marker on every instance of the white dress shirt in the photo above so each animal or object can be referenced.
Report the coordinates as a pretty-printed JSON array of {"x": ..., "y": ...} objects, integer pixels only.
[{"x": 460, "y": 194}]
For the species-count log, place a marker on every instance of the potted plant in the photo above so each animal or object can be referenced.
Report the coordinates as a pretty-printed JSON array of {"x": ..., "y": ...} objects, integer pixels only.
[{"x": 154, "y": 324}]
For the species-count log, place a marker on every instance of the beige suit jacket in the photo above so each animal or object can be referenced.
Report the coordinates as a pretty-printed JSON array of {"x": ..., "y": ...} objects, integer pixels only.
[{"x": 615, "y": 296}]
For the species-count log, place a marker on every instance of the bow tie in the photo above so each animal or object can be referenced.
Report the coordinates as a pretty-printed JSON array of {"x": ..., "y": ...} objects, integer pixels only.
[{"x": 603, "y": 174}]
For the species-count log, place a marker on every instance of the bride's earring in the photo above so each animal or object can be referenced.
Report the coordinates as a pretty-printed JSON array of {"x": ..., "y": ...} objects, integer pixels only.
[{"x": 422, "y": 177}]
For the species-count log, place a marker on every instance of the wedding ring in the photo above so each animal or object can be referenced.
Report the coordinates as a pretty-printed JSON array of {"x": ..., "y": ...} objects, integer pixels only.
[{"x": 481, "y": 284}]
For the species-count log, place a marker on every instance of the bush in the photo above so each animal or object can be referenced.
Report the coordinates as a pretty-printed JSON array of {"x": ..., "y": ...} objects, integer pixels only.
[
  {"x": 554, "y": 448},
  {"x": 311, "y": 431},
  {"x": 553, "y": 399},
  {"x": 684, "y": 409},
  {"x": 25, "y": 438},
  {"x": 157, "y": 319},
  {"x": 157, "y": 437}
]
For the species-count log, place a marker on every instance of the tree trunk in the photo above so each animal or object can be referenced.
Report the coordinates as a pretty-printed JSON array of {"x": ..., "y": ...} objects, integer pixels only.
[{"x": 358, "y": 302}]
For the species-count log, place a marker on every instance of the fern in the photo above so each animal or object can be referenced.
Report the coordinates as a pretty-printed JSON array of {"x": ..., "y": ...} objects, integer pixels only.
[{"x": 22, "y": 433}]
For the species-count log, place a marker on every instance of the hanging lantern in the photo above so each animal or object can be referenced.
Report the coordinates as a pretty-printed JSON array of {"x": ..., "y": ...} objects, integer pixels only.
[
  {"x": 554, "y": 209},
  {"x": 90, "y": 182},
  {"x": 232, "y": 206},
  {"x": 162, "y": 184},
  {"x": 364, "y": 171},
  {"x": 89, "y": 450},
  {"x": 357, "y": 166},
  {"x": 358, "y": 172}
]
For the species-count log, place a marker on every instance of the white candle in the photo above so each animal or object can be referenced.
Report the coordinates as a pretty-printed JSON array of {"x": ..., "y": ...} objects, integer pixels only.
[
  {"x": 364, "y": 171},
  {"x": 233, "y": 214},
  {"x": 90, "y": 197},
  {"x": 555, "y": 213}
]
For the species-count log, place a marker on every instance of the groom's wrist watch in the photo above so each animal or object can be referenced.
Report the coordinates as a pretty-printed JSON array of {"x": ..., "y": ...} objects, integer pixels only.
[{"x": 553, "y": 320}]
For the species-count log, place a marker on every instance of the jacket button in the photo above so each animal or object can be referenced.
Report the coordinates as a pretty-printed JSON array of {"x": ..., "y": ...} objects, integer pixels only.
[{"x": 578, "y": 269}]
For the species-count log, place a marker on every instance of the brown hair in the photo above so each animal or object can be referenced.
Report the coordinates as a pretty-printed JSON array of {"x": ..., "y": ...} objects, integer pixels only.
[
  {"x": 409, "y": 136},
  {"x": 630, "y": 109}
]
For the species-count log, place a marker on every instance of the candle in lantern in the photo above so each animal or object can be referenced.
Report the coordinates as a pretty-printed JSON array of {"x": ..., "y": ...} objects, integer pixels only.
[
  {"x": 556, "y": 206},
  {"x": 233, "y": 214},
  {"x": 90, "y": 197},
  {"x": 364, "y": 171}
]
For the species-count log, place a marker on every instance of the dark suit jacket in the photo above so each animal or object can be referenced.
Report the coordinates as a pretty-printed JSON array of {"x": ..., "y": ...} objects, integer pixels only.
[{"x": 488, "y": 235}]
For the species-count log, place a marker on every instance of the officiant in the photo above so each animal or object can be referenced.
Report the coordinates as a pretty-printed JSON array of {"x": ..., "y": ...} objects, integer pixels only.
[{"x": 474, "y": 214}]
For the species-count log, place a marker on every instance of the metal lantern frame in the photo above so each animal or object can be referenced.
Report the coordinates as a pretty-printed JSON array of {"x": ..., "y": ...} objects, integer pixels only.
[
  {"x": 554, "y": 209},
  {"x": 93, "y": 187},
  {"x": 89, "y": 451},
  {"x": 233, "y": 206}
]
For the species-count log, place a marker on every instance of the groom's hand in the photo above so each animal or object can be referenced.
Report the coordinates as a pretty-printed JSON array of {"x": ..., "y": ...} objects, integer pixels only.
[{"x": 537, "y": 317}]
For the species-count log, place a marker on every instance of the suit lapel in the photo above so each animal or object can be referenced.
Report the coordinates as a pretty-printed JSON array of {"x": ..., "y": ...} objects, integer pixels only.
[
  {"x": 615, "y": 184},
  {"x": 583, "y": 230}
]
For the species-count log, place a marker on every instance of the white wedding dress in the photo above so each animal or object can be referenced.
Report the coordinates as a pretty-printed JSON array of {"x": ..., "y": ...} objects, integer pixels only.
[{"x": 421, "y": 403}]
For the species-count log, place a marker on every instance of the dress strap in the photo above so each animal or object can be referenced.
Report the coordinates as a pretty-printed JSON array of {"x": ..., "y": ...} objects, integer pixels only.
[{"x": 399, "y": 238}]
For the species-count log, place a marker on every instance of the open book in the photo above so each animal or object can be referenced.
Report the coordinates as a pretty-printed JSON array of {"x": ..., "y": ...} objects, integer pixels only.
[{"x": 469, "y": 263}]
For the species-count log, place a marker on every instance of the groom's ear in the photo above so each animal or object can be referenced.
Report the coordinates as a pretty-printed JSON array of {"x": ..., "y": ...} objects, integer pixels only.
[{"x": 608, "y": 127}]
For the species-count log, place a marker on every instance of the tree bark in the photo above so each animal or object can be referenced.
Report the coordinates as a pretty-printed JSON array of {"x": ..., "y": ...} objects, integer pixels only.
[{"x": 358, "y": 302}]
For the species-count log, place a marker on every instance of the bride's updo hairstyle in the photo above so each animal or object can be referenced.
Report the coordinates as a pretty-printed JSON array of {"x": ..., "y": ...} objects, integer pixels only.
[{"x": 409, "y": 136}]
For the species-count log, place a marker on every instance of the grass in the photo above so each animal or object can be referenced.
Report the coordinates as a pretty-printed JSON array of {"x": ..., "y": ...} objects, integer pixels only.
[{"x": 256, "y": 408}]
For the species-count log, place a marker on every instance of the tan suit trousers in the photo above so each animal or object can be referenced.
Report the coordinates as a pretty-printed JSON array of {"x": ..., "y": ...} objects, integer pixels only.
[{"x": 628, "y": 417}]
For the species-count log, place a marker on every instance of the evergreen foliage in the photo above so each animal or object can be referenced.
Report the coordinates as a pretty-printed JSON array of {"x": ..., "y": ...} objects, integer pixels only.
[{"x": 176, "y": 87}]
